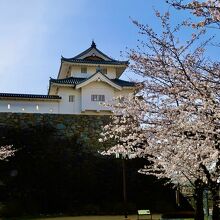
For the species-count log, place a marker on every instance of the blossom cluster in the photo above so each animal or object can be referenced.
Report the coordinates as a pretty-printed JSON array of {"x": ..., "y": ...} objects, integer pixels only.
[
  {"x": 6, "y": 151},
  {"x": 209, "y": 10},
  {"x": 174, "y": 121}
]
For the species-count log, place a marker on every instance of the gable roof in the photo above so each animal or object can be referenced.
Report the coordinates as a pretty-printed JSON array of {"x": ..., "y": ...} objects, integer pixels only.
[
  {"x": 93, "y": 46},
  {"x": 91, "y": 57},
  {"x": 107, "y": 62},
  {"x": 98, "y": 76},
  {"x": 78, "y": 82},
  {"x": 90, "y": 52}
]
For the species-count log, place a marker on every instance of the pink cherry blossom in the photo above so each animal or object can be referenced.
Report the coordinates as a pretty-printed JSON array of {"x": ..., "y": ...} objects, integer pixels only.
[{"x": 174, "y": 119}]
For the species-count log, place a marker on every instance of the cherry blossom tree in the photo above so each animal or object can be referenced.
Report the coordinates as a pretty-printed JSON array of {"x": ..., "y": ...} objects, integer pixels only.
[
  {"x": 208, "y": 11},
  {"x": 175, "y": 122}
]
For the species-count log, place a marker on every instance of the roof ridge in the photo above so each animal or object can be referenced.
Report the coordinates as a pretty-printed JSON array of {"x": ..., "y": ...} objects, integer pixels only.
[
  {"x": 114, "y": 62},
  {"x": 71, "y": 77},
  {"x": 98, "y": 72},
  {"x": 23, "y": 95},
  {"x": 93, "y": 46},
  {"x": 78, "y": 80}
]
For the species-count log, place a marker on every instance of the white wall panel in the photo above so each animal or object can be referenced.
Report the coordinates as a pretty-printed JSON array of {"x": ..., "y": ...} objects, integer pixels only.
[{"x": 29, "y": 106}]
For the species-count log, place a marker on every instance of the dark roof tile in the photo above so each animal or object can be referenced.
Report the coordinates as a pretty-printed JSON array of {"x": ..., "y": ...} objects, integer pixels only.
[
  {"x": 93, "y": 46},
  {"x": 112, "y": 62},
  {"x": 123, "y": 83},
  {"x": 28, "y": 96},
  {"x": 109, "y": 60},
  {"x": 76, "y": 80},
  {"x": 69, "y": 80}
]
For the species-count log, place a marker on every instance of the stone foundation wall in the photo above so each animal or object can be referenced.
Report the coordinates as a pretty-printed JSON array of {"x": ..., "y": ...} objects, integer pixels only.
[{"x": 86, "y": 128}]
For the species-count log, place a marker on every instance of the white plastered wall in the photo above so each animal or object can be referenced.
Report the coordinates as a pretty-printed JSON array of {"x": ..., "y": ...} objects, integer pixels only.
[
  {"x": 29, "y": 106},
  {"x": 96, "y": 88},
  {"x": 66, "y": 107},
  {"x": 111, "y": 72},
  {"x": 81, "y": 104},
  {"x": 76, "y": 71}
]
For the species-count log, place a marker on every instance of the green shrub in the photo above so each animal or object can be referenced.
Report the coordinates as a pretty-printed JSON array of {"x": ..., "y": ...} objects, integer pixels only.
[
  {"x": 11, "y": 209},
  {"x": 173, "y": 215}
]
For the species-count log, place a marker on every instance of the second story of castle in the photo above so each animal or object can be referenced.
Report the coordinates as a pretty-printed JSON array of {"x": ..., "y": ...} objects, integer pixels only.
[{"x": 83, "y": 84}]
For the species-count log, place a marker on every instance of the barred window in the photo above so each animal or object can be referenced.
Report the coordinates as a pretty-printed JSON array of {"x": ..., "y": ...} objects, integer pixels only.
[
  {"x": 72, "y": 98},
  {"x": 98, "y": 98}
]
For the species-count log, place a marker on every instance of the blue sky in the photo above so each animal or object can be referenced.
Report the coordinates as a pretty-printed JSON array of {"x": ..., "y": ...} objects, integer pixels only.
[{"x": 34, "y": 35}]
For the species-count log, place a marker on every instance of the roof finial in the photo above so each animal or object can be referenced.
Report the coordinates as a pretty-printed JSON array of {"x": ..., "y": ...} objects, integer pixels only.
[{"x": 93, "y": 44}]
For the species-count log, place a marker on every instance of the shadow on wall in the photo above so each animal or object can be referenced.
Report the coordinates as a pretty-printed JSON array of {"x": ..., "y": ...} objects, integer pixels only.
[{"x": 51, "y": 175}]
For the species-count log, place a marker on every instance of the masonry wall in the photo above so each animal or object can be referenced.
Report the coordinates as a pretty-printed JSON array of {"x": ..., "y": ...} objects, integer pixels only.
[
  {"x": 66, "y": 107},
  {"x": 55, "y": 176},
  {"x": 86, "y": 128}
]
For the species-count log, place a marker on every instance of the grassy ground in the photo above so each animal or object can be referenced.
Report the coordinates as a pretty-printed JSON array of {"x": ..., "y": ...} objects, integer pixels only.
[{"x": 131, "y": 217}]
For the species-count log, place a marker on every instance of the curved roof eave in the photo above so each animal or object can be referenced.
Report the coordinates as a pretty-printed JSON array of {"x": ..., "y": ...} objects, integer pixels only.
[
  {"x": 104, "y": 62},
  {"x": 106, "y": 79},
  {"x": 93, "y": 46},
  {"x": 29, "y": 96}
]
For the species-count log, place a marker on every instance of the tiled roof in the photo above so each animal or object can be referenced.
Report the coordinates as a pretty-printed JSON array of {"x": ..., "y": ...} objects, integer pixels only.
[
  {"x": 123, "y": 83},
  {"x": 69, "y": 81},
  {"x": 112, "y": 62},
  {"x": 77, "y": 59},
  {"x": 93, "y": 46},
  {"x": 28, "y": 96},
  {"x": 76, "y": 80}
]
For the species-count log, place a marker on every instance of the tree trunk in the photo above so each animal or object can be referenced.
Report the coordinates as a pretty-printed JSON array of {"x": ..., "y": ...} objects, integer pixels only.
[
  {"x": 215, "y": 200},
  {"x": 198, "y": 196}
]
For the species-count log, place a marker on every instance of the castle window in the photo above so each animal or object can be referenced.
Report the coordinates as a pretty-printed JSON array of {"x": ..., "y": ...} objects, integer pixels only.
[
  {"x": 83, "y": 69},
  {"x": 37, "y": 107},
  {"x": 98, "y": 98},
  {"x": 72, "y": 98},
  {"x": 9, "y": 106}
]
